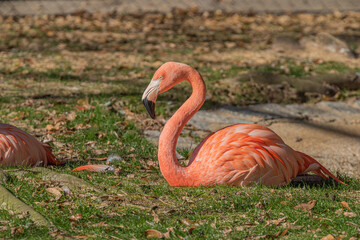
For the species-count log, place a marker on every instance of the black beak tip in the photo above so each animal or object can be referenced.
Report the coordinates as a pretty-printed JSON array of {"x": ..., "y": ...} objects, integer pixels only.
[{"x": 150, "y": 107}]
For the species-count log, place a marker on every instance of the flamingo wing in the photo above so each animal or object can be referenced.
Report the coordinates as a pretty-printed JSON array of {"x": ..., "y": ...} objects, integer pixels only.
[
  {"x": 18, "y": 148},
  {"x": 244, "y": 154}
]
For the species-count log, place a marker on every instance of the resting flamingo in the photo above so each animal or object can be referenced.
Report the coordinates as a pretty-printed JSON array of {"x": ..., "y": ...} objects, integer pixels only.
[
  {"x": 18, "y": 148},
  {"x": 240, "y": 155}
]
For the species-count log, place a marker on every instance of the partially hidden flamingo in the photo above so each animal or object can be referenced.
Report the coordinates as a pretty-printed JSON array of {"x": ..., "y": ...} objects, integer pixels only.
[
  {"x": 239, "y": 155},
  {"x": 20, "y": 149}
]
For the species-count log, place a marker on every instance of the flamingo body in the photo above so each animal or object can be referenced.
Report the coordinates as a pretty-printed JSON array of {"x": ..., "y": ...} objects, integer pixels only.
[
  {"x": 18, "y": 148},
  {"x": 240, "y": 155},
  {"x": 244, "y": 154}
]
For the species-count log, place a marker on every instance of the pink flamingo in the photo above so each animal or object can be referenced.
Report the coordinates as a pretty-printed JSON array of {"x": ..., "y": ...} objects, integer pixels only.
[
  {"x": 240, "y": 155},
  {"x": 18, "y": 148}
]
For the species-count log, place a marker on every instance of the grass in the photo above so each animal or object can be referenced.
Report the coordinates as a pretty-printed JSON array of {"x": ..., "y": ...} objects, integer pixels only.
[
  {"x": 84, "y": 97},
  {"x": 145, "y": 201}
]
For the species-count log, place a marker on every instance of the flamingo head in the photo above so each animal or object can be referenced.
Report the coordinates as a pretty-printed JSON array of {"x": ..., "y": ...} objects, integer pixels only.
[{"x": 167, "y": 76}]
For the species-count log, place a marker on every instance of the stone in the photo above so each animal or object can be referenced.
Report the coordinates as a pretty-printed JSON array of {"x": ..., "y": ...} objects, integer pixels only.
[
  {"x": 286, "y": 43},
  {"x": 333, "y": 44},
  {"x": 275, "y": 110},
  {"x": 339, "y": 107},
  {"x": 225, "y": 116},
  {"x": 183, "y": 142},
  {"x": 329, "y": 43}
]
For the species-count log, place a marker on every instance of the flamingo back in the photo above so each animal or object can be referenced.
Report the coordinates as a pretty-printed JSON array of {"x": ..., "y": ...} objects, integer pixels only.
[
  {"x": 18, "y": 148},
  {"x": 245, "y": 154}
]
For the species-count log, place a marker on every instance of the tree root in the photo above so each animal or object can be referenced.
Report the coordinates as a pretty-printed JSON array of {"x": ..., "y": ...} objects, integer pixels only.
[
  {"x": 9, "y": 202},
  {"x": 74, "y": 183}
]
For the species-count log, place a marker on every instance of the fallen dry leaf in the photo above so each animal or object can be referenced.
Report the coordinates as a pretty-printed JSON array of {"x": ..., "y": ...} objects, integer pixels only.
[
  {"x": 101, "y": 224},
  {"x": 272, "y": 236},
  {"x": 112, "y": 198},
  {"x": 99, "y": 151},
  {"x": 350, "y": 214},
  {"x": 51, "y": 127},
  {"x": 71, "y": 116},
  {"x": 305, "y": 206},
  {"x": 55, "y": 191},
  {"x": 83, "y": 105},
  {"x": 75, "y": 217},
  {"x": 281, "y": 233},
  {"x": 340, "y": 237},
  {"x": 58, "y": 144},
  {"x": 156, "y": 217},
  {"x": 170, "y": 230},
  {"x": 345, "y": 205},
  {"x": 152, "y": 233},
  {"x": 82, "y": 126},
  {"x": 325, "y": 225},
  {"x": 226, "y": 230},
  {"x": 338, "y": 211},
  {"x": 23, "y": 215},
  {"x": 15, "y": 230},
  {"x": 328, "y": 237},
  {"x": 188, "y": 223},
  {"x": 276, "y": 221},
  {"x": 21, "y": 116},
  {"x": 260, "y": 205},
  {"x": 3, "y": 228}
]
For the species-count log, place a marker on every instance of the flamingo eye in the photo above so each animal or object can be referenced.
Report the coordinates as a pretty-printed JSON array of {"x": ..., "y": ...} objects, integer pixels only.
[{"x": 160, "y": 78}]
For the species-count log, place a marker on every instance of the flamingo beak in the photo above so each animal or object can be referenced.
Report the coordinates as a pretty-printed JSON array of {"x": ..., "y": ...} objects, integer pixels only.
[{"x": 149, "y": 97}]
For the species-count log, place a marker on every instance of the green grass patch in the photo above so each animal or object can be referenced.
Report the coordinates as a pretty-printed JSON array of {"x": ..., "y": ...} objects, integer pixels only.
[{"x": 137, "y": 198}]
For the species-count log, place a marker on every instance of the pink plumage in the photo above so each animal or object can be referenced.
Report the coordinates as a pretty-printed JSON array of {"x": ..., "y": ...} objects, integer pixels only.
[
  {"x": 95, "y": 168},
  {"x": 240, "y": 155},
  {"x": 18, "y": 148}
]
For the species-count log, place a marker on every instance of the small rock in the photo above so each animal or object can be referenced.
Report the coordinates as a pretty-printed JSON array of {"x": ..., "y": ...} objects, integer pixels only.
[
  {"x": 66, "y": 190},
  {"x": 286, "y": 43},
  {"x": 329, "y": 43},
  {"x": 113, "y": 158},
  {"x": 108, "y": 104},
  {"x": 339, "y": 107},
  {"x": 183, "y": 142}
]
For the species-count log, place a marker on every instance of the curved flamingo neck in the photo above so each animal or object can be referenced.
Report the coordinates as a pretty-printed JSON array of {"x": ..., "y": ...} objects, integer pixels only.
[{"x": 174, "y": 173}]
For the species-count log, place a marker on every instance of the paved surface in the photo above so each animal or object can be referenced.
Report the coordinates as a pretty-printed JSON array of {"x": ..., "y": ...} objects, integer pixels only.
[
  {"x": 36, "y": 7},
  {"x": 328, "y": 131}
]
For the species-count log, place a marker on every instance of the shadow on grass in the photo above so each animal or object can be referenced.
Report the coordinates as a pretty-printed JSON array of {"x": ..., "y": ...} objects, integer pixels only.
[{"x": 314, "y": 181}]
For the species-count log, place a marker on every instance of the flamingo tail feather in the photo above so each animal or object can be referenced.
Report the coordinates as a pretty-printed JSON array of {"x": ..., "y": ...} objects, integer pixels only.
[
  {"x": 321, "y": 171},
  {"x": 50, "y": 157},
  {"x": 95, "y": 168}
]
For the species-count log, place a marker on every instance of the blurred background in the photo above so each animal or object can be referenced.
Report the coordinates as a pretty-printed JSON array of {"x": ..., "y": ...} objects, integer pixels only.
[
  {"x": 38, "y": 7},
  {"x": 280, "y": 41}
]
